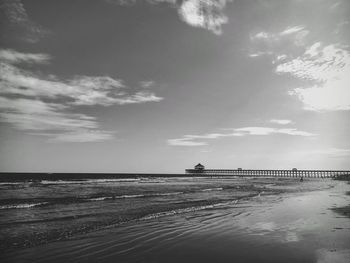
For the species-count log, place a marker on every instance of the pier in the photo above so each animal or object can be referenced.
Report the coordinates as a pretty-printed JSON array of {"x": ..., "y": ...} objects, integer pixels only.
[{"x": 200, "y": 170}]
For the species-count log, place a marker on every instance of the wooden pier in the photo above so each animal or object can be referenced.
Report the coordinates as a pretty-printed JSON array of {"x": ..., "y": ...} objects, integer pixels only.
[{"x": 199, "y": 170}]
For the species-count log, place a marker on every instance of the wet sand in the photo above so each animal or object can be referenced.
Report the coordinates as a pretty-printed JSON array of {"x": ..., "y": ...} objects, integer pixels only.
[{"x": 294, "y": 226}]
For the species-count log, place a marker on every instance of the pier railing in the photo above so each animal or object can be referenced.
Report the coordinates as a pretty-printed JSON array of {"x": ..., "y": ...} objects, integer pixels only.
[{"x": 273, "y": 173}]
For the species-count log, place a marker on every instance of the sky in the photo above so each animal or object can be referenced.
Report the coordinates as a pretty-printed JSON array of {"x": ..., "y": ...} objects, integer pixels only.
[{"x": 157, "y": 86}]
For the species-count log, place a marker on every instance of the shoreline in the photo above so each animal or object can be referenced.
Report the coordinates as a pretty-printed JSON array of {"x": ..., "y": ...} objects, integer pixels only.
[
  {"x": 263, "y": 224},
  {"x": 282, "y": 187}
]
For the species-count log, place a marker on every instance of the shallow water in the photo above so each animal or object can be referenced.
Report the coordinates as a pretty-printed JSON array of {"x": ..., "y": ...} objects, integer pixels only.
[
  {"x": 35, "y": 213},
  {"x": 188, "y": 220}
]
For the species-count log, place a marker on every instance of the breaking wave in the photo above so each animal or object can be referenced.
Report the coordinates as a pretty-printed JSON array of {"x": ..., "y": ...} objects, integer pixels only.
[
  {"x": 102, "y": 198},
  {"x": 19, "y": 206},
  {"x": 49, "y": 201},
  {"x": 187, "y": 210},
  {"x": 212, "y": 189}
]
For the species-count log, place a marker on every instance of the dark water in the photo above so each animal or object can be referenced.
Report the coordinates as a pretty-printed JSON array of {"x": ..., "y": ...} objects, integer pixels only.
[
  {"x": 174, "y": 220},
  {"x": 34, "y": 213}
]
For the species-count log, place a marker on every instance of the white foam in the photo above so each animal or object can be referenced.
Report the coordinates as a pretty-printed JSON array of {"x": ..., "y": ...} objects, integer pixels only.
[
  {"x": 112, "y": 180},
  {"x": 186, "y": 210},
  {"x": 129, "y": 196},
  {"x": 21, "y": 205},
  {"x": 61, "y": 182},
  {"x": 133, "y": 196},
  {"x": 212, "y": 189},
  {"x": 100, "y": 198},
  {"x": 166, "y": 194},
  {"x": 89, "y": 181}
]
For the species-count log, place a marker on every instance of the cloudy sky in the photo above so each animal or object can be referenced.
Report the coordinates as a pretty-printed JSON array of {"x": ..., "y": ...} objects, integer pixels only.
[{"x": 160, "y": 85}]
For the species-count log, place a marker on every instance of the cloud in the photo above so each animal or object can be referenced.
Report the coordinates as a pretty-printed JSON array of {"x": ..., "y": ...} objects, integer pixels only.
[
  {"x": 80, "y": 90},
  {"x": 335, "y": 5},
  {"x": 147, "y": 84},
  {"x": 327, "y": 68},
  {"x": 269, "y": 131},
  {"x": 260, "y": 53},
  {"x": 17, "y": 18},
  {"x": 14, "y": 57},
  {"x": 318, "y": 63},
  {"x": 83, "y": 135},
  {"x": 204, "y": 13},
  {"x": 192, "y": 140},
  {"x": 36, "y": 103},
  {"x": 121, "y": 2},
  {"x": 281, "y": 122},
  {"x": 52, "y": 120},
  {"x": 292, "y": 30},
  {"x": 272, "y": 43},
  {"x": 323, "y": 69},
  {"x": 295, "y": 34},
  {"x": 262, "y": 35},
  {"x": 207, "y": 14},
  {"x": 185, "y": 142},
  {"x": 28, "y": 114},
  {"x": 139, "y": 97},
  {"x": 342, "y": 28}
]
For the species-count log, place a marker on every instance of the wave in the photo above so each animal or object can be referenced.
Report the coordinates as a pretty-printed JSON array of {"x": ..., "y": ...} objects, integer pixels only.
[
  {"x": 10, "y": 183},
  {"x": 166, "y": 194},
  {"x": 187, "y": 210},
  {"x": 129, "y": 196},
  {"x": 102, "y": 198},
  {"x": 19, "y": 206},
  {"x": 89, "y": 181},
  {"x": 112, "y": 180},
  {"x": 48, "y": 182},
  {"x": 48, "y": 201},
  {"x": 150, "y": 181},
  {"x": 212, "y": 189},
  {"x": 99, "y": 198},
  {"x": 25, "y": 203}
]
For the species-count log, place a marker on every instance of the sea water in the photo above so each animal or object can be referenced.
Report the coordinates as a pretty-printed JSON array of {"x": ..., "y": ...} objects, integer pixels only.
[{"x": 167, "y": 218}]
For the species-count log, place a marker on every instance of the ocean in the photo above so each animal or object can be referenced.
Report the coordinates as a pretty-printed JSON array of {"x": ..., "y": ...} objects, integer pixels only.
[{"x": 158, "y": 214}]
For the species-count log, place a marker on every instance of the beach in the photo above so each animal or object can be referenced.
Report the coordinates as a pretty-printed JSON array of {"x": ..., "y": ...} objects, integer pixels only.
[
  {"x": 174, "y": 131},
  {"x": 182, "y": 220}
]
